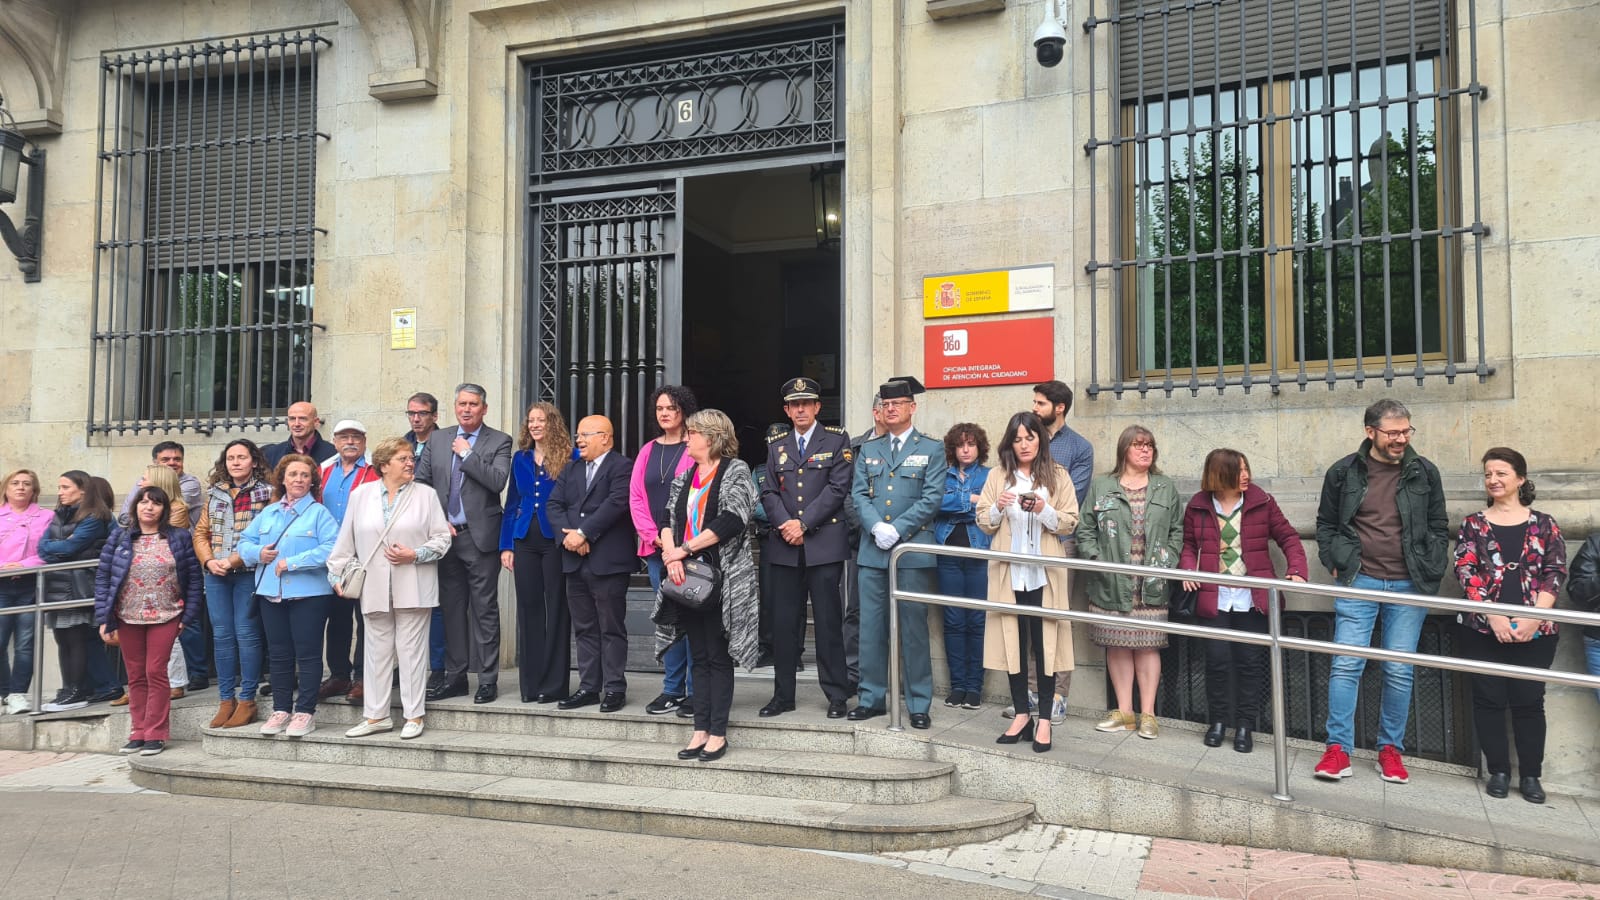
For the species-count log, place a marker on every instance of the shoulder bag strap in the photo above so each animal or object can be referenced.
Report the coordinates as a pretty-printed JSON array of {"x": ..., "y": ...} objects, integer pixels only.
[{"x": 399, "y": 505}]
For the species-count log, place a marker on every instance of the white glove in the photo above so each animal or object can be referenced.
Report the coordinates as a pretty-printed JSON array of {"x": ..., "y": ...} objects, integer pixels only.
[{"x": 884, "y": 535}]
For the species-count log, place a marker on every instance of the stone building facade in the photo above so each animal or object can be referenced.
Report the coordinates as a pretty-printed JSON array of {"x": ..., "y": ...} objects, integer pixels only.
[{"x": 450, "y": 134}]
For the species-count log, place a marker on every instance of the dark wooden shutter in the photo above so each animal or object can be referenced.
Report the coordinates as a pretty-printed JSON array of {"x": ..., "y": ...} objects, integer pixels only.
[
  {"x": 1158, "y": 53},
  {"x": 231, "y": 169}
]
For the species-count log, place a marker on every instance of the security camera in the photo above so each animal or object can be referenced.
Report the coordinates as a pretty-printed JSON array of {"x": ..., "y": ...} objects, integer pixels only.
[{"x": 1050, "y": 42}]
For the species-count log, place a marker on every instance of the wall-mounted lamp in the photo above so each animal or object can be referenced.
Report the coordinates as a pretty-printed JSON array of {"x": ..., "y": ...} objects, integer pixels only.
[
  {"x": 27, "y": 244},
  {"x": 826, "y": 190}
]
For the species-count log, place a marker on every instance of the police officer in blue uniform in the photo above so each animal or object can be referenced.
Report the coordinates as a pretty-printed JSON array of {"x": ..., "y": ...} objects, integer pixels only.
[
  {"x": 897, "y": 488},
  {"x": 804, "y": 496}
]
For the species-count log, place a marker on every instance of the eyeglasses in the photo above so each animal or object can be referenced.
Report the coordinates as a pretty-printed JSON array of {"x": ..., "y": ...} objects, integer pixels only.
[
  {"x": 1397, "y": 435},
  {"x": 1142, "y": 445},
  {"x": 895, "y": 404},
  {"x": 590, "y": 434},
  {"x": 413, "y": 413}
]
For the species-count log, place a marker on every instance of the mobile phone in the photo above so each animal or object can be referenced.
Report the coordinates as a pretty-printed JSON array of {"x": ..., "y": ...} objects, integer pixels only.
[{"x": 1029, "y": 497}]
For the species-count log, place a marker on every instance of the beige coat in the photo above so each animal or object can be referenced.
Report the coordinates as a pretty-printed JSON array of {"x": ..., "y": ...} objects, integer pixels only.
[
  {"x": 1000, "y": 631},
  {"x": 420, "y": 523}
]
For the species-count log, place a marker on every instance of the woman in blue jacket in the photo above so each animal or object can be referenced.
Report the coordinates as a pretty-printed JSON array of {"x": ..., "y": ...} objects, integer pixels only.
[
  {"x": 530, "y": 551},
  {"x": 288, "y": 544},
  {"x": 966, "y": 449},
  {"x": 147, "y": 590}
]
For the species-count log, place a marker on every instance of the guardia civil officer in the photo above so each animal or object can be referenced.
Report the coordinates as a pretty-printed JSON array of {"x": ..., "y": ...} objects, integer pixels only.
[
  {"x": 806, "y": 488},
  {"x": 897, "y": 489}
]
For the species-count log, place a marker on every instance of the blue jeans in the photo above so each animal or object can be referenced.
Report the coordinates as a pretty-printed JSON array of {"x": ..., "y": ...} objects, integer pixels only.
[
  {"x": 1591, "y": 652},
  {"x": 677, "y": 681},
  {"x": 236, "y": 633},
  {"x": 294, "y": 630},
  {"x": 1353, "y": 622},
  {"x": 193, "y": 643},
  {"x": 16, "y": 674},
  {"x": 963, "y": 628},
  {"x": 436, "y": 640}
]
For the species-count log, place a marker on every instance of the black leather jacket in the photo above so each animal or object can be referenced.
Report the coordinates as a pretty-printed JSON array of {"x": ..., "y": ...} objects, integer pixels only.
[{"x": 1583, "y": 581}]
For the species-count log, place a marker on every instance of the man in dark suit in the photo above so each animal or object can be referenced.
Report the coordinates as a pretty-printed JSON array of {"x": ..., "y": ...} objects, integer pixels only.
[
  {"x": 467, "y": 466},
  {"x": 304, "y": 437},
  {"x": 807, "y": 486},
  {"x": 589, "y": 505}
]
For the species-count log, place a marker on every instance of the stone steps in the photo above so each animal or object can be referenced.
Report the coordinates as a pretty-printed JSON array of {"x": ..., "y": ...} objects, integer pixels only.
[
  {"x": 789, "y": 774},
  {"x": 794, "y": 783}
]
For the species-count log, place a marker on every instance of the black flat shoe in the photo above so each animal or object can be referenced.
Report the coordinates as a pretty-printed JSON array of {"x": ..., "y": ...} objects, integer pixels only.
[
  {"x": 1243, "y": 741},
  {"x": 714, "y": 755},
  {"x": 548, "y": 698},
  {"x": 691, "y": 752},
  {"x": 836, "y": 709},
  {"x": 686, "y": 709},
  {"x": 614, "y": 700},
  {"x": 487, "y": 693},
  {"x": 862, "y": 713},
  {"x": 1528, "y": 787},
  {"x": 921, "y": 721},
  {"x": 1025, "y": 735},
  {"x": 1215, "y": 733},
  {"x": 775, "y": 707},
  {"x": 1038, "y": 745},
  {"x": 579, "y": 700},
  {"x": 1499, "y": 785},
  {"x": 447, "y": 689}
]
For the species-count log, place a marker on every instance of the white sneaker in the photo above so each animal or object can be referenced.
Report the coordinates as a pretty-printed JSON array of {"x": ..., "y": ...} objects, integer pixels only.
[
  {"x": 364, "y": 728},
  {"x": 1058, "y": 713},
  {"x": 411, "y": 730},
  {"x": 17, "y": 704},
  {"x": 275, "y": 723},
  {"x": 301, "y": 725}
]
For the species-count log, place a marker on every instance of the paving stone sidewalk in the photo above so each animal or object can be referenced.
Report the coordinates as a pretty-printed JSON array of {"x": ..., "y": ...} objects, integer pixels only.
[{"x": 1042, "y": 860}]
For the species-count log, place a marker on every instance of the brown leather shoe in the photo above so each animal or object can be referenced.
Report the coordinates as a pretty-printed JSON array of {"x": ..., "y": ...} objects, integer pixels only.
[
  {"x": 224, "y": 713},
  {"x": 333, "y": 686},
  {"x": 357, "y": 694},
  {"x": 179, "y": 693},
  {"x": 244, "y": 712},
  {"x": 121, "y": 701}
]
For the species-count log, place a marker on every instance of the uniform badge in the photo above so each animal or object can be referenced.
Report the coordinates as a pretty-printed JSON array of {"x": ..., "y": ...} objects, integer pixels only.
[
  {"x": 849, "y": 455},
  {"x": 783, "y": 457}
]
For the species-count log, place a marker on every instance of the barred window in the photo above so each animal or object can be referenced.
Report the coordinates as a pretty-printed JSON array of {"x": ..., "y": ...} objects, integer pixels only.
[
  {"x": 203, "y": 311},
  {"x": 1288, "y": 206}
]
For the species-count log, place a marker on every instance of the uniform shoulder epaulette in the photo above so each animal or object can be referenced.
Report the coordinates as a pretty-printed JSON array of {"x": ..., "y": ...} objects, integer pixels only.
[
  {"x": 777, "y": 437},
  {"x": 836, "y": 430}
]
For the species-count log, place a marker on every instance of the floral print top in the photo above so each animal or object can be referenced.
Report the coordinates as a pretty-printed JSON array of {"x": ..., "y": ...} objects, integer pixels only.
[
  {"x": 150, "y": 595},
  {"x": 1482, "y": 565}
]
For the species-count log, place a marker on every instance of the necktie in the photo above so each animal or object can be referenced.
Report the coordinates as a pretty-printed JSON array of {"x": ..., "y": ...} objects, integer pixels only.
[
  {"x": 894, "y": 447},
  {"x": 455, "y": 487},
  {"x": 801, "y": 440},
  {"x": 588, "y": 476}
]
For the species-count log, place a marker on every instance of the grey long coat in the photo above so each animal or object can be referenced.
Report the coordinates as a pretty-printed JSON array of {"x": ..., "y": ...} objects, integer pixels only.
[{"x": 741, "y": 602}]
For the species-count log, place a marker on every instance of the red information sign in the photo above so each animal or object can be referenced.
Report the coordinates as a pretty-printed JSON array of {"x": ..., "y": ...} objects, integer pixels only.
[{"x": 971, "y": 354}]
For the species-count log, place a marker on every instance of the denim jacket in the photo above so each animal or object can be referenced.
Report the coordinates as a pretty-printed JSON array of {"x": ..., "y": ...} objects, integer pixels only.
[
  {"x": 957, "y": 508},
  {"x": 304, "y": 535}
]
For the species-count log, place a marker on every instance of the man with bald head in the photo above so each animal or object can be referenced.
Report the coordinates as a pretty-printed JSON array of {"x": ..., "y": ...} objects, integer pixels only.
[
  {"x": 589, "y": 507},
  {"x": 303, "y": 437},
  {"x": 467, "y": 466}
]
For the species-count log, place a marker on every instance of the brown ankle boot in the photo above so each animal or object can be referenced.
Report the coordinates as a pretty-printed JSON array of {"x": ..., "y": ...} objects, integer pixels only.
[
  {"x": 244, "y": 712},
  {"x": 224, "y": 713}
]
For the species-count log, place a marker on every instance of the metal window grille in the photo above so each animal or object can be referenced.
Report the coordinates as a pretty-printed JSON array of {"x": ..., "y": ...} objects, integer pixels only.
[
  {"x": 728, "y": 102},
  {"x": 1439, "y": 724},
  {"x": 1294, "y": 194},
  {"x": 203, "y": 291}
]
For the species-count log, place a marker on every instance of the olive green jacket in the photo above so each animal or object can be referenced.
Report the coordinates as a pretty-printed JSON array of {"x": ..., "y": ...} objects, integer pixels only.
[{"x": 1105, "y": 527}]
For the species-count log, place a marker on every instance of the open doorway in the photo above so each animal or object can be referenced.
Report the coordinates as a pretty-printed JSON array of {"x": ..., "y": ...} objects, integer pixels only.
[{"x": 761, "y": 301}]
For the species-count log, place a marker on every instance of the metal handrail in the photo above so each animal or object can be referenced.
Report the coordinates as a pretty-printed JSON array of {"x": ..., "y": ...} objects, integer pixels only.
[
  {"x": 1273, "y": 640},
  {"x": 39, "y": 608}
]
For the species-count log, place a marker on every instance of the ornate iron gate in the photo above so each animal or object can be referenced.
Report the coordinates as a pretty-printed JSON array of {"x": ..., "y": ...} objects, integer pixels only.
[
  {"x": 604, "y": 299},
  {"x": 608, "y": 298}
]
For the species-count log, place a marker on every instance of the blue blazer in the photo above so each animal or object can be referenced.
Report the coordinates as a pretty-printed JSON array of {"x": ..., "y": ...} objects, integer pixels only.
[{"x": 527, "y": 498}]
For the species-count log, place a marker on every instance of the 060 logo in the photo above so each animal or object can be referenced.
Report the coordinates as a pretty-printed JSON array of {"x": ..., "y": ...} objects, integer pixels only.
[{"x": 955, "y": 342}]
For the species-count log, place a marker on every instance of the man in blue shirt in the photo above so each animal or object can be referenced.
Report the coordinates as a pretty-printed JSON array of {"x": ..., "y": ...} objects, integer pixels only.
[{"x": 340, "y": 476}]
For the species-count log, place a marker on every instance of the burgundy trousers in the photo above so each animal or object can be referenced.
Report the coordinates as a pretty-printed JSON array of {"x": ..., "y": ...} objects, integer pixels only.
[{"x": 146, "y": 650}]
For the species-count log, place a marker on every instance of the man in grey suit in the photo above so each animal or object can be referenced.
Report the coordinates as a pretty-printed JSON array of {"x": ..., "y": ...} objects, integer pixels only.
[{"x": 467, "y": 466}]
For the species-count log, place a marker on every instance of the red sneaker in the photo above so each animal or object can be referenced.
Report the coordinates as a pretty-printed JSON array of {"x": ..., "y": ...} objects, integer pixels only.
[
  {"x": 1335, "y": 764},
  {"x": 1390, "y": 767}
]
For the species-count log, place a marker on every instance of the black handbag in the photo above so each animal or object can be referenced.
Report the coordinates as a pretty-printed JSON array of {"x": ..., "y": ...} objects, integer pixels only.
[
  {"x": 701, "y": 580},
  {"x": 1180, "y": 601}
]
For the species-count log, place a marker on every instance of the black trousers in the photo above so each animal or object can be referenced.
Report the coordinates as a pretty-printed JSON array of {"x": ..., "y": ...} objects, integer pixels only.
[
  {"x": 1236, "y": 673},
  {"x": 712, "y": 668},
  {"x": 469, "y": 597},
  {"x": 852, "y": 624},
  {"x": 1492, "y": 695},
  {"x": 792, "y": 585},
  {"x": 345, "y": 623},
  {"x": 72, "y": 653},
  {"x": 598, "y": 604},
  {"x": 544, "y": 626},
  {"x": 1030, "y": 635}
]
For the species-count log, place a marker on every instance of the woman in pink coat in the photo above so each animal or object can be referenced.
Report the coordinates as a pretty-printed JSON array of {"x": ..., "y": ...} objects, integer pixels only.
[
  {"x": 660, "y": 461},
  {"x": 1227, "y": 528},
  {"x": 22, "y": 524}
]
